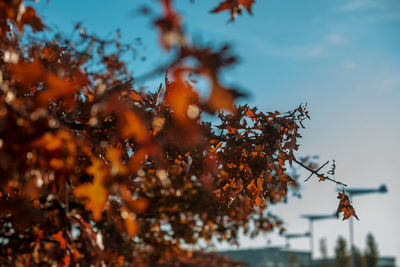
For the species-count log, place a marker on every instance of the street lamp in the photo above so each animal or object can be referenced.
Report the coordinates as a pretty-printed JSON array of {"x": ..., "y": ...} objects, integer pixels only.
[
  {"x": 355, "y": 192},
  {"x": 314, "y": 217}
]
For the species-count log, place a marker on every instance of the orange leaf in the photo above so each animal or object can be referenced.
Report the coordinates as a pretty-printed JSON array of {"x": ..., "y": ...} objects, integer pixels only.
[
  {"x": 258, "y": 201},
  {"x": 58, "y": 88},
  {"x": 95, "y": 192},
  {"x": 249, "y": 113},
  {"x": 49, "y": 141},
  {"x": 134, "y": 126},
  {"x": 260, "y": 181},
  {"x": 27, "y": 73},
  {"x": 66, "y": 260},
  {"x": 139, "y": 205},
  {"x": 60, "y": 239},
  {"x": 231, "y": 130},
  {"x": 179, "y": 95},
  {"x": 56, "y": 163},
  {"x": 135, "y": 96},
  {"x": 114, "y": 156},
  {"x": 131, "y": 225},
  {"x": 221, "y": 98}
]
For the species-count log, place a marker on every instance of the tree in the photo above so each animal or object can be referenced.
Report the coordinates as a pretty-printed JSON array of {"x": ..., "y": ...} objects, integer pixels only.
[
  {"x": 371, "y": 252},
  {"x": 324, "y": 253},
  {"x": 96, "y": 171},
  {"x": 342, "y": 257},
  {"x": 358, "y": 258}
]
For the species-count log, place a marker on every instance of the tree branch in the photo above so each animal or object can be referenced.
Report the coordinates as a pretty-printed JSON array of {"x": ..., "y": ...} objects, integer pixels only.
[{"x": 318, "y": 174}]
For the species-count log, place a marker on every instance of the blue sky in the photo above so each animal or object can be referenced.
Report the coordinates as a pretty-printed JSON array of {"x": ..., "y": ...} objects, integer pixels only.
[{"x": 341, "y": 57}]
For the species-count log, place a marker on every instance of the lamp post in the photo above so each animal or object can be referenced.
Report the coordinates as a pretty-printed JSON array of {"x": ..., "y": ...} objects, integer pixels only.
[
  {"x": 356, "y": 192},
  {"x": 311, "y": 218}
]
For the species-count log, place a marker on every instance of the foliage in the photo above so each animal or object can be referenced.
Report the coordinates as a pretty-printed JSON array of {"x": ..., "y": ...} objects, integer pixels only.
[
  {"x": 342, "y": 256},
  {"x": 96, "y": 171},
  {"x": 369, "y": 258},
  {"x": 359, "y": 260},
  {"x": 371, "y": 254},
  {"x": 324, "y": 253}
]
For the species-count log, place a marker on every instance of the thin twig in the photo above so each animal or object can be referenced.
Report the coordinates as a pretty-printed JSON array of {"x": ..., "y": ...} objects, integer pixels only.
[
  {"x": 316, "y": 171},
  {"x": 318, "y": 174}
]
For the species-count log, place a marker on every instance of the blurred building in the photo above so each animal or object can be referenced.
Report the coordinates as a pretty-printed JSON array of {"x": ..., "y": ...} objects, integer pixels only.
[
  {"x": 284, "y": 257},
  {"x": 270, "y": 257}
]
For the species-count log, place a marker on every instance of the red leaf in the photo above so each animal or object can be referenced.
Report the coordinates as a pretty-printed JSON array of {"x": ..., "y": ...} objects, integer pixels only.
[
  {"x": 235, "y": 7},
  {"x": 60, "y": 239}
]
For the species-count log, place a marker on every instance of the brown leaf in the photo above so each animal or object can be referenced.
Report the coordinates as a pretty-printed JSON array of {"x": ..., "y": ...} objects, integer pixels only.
[
  {"x": 345, "y": 206},
  {"x": 29, "y": 18}
]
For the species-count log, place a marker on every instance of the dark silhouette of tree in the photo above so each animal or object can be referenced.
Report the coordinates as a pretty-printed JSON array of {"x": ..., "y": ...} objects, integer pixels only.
[
  {"x": 97, "y": 172},
  {"x": 324, "y": 253},
  {"x": 359, "y": 260},
  {"x": 342, "y": 256},
  {"x": 371, "y": 254}
]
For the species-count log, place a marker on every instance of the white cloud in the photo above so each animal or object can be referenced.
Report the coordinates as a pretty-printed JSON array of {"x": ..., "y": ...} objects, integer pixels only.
[
  {"x": 390, "y": 81},
  {"x": 361, "y": 4},
  {"x": 348, "y": 65},
  {"x": 335, "y": 39},
  {"x": 316, "y": 51}
]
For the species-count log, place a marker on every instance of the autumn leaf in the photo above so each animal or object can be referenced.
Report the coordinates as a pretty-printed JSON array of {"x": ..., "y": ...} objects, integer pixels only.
[
  {"x": 95, "y": 193},
  {"x": 131, "y": 225},
  {"x": 249, "y": 113},
  {"x": 114, "y": 156},
  {"x": 49, "y": 141},
  {"x": 179, "y": 95},
  {"x": 51, "y": 52},
  {"x": 66, "y": 260},
  {"x": 59, "y": 88},
  {"x": 138, "y": 205},
  {"x": 247, "y": 4},
  {"x": 27, "y": 73},
  {"x": 133, "y": 126},
  {"x": 29, "y": 18},
  {"x": 60, "y": 239},
  {"x": 345, "y": 206},
  {"x": 235, "y": 7},
  {"x": 221, "y": 98}
]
